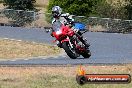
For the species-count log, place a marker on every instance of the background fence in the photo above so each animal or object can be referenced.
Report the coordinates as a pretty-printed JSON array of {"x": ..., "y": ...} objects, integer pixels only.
[{"x": 10, "y": 17}]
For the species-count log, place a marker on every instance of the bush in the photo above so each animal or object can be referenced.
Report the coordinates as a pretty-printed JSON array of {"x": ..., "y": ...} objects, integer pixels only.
[
  {"x": 129, "y": 9},
  {"x": 76, "y": 7},
  {"x": 105, "y": 9},
  {"x": 20, "y": 4},
  {"x": 1, "y": 1},
  {"x": 20, "y": 18}
]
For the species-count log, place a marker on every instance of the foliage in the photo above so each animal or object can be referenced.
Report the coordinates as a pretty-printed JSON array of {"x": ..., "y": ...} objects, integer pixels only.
[
  {"x": 20, "y": 4},
  {"x": 22, "y": 17},
  {"x": 105, "y": 9},
  {"x": 129, "y": 9},
  {"x": 76, "y": 7},
  {"x": 1, "y": 1},
  {"x": 99, "y": 8}
]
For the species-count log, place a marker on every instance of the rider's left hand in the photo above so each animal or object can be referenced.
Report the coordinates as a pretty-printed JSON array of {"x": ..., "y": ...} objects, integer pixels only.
[{"x": 52, "y": 34}]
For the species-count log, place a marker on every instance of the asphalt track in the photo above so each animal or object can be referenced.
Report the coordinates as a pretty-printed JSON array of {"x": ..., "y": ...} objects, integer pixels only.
[{"x": 106, "y": 48}]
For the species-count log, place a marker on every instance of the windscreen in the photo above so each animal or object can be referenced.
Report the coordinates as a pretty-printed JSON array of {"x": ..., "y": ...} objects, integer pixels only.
[{"x": 57, "y": 26}]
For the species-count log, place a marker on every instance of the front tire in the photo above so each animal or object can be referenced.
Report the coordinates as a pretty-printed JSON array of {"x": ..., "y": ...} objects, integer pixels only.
[{"x": 71, "y": 53}]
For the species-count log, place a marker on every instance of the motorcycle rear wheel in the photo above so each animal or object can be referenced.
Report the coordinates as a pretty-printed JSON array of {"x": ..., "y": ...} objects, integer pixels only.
[{"x": 71, "y": 53}]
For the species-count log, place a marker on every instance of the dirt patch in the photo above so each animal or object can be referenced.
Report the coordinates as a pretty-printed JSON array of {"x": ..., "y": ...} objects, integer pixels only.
[
  {"x": 59, "y": 77},
  {"x": 41, "y": 5},
  {"x": 68, "y": 71},
  {"x": 10, "y": 49},
  {"x": 97, "y": 28}
]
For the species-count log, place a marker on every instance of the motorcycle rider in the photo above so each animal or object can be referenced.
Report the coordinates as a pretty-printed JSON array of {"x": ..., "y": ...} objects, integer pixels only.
[{"x": 66, "y": 19}]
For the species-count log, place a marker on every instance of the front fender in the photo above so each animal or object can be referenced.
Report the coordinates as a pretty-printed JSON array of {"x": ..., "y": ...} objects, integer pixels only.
[{"x": 65, "y": 40}]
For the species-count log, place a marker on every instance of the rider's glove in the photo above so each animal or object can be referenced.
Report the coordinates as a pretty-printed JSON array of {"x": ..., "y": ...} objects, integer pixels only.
[{"x": 75, "y": 30}]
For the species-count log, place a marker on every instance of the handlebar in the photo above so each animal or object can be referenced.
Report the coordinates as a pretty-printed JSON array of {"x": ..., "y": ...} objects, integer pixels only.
[{"x": 85, "y": 31}]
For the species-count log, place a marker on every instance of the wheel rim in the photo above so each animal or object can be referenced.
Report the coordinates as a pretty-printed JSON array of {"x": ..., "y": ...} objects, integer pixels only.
[{"x": 72, "y": 49}]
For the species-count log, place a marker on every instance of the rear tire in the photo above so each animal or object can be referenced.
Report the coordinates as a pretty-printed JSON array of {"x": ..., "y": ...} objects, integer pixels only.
[
  {"x": 70, "y": 53},
  {"x": 86, "y": 54}
]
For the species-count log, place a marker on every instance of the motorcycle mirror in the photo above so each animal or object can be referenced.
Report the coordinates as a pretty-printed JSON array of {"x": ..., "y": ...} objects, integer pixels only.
[{"x": 47, "y": 29}]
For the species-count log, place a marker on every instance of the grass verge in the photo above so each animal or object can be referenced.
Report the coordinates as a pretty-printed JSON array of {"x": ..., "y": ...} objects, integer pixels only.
[
  {"x": 10, "y": 49},
  {"x": 57, "y": 77}
]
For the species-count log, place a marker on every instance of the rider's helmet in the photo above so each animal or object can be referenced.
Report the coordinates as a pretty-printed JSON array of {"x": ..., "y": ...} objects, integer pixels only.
[{"x": 56, "y": 11}]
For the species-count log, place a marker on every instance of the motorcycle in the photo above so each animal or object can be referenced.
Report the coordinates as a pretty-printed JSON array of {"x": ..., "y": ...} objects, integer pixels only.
[{"x": 70, "y": 41}]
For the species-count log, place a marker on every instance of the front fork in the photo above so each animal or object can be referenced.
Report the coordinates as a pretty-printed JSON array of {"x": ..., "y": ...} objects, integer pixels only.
[{"x": 71, "y": 45}]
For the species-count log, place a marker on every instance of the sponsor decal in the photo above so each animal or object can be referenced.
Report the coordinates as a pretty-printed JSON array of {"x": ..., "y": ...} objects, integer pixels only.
[{"x": 83, "y": 78}]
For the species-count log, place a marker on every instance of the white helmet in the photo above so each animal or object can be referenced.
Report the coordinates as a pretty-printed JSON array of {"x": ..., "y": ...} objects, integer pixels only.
[{"x": 56, "y": 11}]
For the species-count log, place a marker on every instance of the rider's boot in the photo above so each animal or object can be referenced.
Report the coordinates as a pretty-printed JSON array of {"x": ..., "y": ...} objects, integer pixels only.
[{"x": 84, "y": 41}]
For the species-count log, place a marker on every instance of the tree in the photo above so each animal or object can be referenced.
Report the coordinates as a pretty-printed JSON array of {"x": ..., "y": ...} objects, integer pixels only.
[
  {"x": 20, "y": 4},
  {"x": 19, "y": 11},
  {"x": 108, "y": 10},
  {"x": 129, "y": 9},
  {"x": 75, "y": 7}
]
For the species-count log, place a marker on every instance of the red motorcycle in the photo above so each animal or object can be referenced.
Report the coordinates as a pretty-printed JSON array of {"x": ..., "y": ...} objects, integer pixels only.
[{"x": 70, "y": 41}]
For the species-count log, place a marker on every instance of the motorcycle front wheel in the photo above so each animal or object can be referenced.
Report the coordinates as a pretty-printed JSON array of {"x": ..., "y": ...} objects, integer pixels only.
[
  {"x": 86, "y": 54},
  {"x": 70, "y": 52}
]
